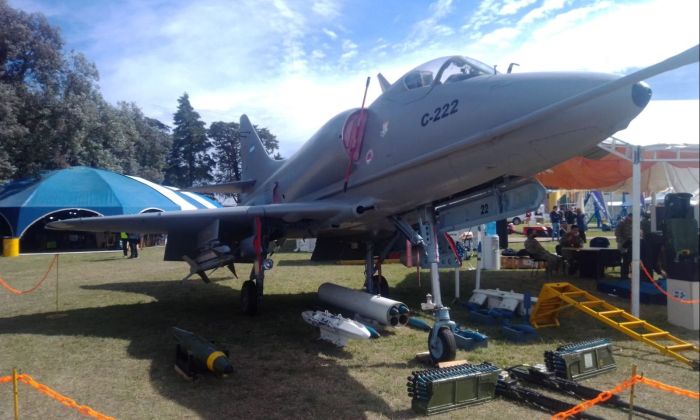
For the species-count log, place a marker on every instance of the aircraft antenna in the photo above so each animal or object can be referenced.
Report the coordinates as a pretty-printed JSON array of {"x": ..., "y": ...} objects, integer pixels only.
[{"x": 353, "y": 143}]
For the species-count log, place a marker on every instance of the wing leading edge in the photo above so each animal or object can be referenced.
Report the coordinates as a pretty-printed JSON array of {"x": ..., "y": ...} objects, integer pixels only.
[{"x": 198, "y": 219}]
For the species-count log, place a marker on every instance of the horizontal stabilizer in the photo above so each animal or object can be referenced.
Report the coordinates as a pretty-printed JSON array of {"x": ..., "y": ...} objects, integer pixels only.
[{"x": 227, "y": 188}]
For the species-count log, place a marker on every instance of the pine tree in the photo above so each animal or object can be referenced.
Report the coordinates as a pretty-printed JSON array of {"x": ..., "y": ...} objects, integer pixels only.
[
  {"x": 188, "y": 162},
  {"x": 226, "y": 140}
]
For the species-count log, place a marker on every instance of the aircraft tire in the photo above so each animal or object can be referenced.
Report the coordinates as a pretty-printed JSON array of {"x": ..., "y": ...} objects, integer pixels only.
[
  {"x": 445, "y": 349},
  {"x": 249, "y": 298},
  {"x": 382, "y": 285},
  {"x": 516, "y": 221}
]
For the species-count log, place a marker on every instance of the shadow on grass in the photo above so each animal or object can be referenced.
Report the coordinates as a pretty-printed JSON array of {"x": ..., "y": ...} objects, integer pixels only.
[{"x": 280, "y": 372}]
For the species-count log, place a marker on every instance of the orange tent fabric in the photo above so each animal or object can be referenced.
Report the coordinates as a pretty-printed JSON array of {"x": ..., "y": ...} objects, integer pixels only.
[{"x": 580, "y": 173}]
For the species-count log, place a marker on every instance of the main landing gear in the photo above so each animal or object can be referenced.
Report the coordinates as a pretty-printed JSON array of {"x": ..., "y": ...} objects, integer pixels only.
[
  {"x": 250, "y": 298},
  {"x": 375, "y": 284}
]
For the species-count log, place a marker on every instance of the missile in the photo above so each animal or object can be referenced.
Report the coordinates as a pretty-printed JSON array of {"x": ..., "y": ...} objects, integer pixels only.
[
  {"x": 335, "y": 328},
  {"x": 380, "y": 309},
  {"x": 196, "y": 354}
]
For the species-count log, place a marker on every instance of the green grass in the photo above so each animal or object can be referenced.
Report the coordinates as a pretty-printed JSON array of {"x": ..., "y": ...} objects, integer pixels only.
[{"x": 109, "y": 345}]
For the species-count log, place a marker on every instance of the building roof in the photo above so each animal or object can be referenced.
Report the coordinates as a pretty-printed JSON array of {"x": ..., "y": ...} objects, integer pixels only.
[{"x": 104, "y": 192}]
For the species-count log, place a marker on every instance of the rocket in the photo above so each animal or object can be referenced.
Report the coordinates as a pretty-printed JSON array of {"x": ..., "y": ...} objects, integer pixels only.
[{"x": 195, "y": 354}]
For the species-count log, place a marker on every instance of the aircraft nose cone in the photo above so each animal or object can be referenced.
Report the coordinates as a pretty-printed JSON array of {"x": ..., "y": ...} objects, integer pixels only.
[{"x": 641, "y": 94}]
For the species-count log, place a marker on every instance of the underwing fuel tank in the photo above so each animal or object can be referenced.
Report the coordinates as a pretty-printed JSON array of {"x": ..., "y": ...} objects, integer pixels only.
[
  {"x": 196, "y": 354},
  {"x": 380, "y": 309}
]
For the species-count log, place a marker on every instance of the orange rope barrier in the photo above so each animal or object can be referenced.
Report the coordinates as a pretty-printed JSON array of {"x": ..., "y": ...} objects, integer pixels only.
[
  {"x": 68, "y": 402},
  {"x": 669, "y": 388},
  {"x": 606, "y": 395},
  {"x": 36, "y": 286},
  {"x": 661, "y": 289}
]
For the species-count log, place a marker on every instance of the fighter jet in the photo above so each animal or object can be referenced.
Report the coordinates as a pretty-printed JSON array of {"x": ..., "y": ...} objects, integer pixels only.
[{"x": 451, "y": 144}]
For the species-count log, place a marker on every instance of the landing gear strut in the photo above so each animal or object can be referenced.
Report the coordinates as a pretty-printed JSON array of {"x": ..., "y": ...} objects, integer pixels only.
[
  {"x": 441, "y": 340},
  {"x": 376, "y": 284}
]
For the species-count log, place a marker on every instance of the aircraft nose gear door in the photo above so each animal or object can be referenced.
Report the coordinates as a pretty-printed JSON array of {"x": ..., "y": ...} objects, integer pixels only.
[{"x": 441, "y": 340}]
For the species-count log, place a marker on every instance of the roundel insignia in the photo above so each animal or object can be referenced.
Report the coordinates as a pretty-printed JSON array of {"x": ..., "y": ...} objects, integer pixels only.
[{"x": 369, "y": 156}]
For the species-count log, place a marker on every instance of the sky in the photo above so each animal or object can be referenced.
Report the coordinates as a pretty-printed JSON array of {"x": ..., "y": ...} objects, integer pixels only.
[{"x": 291, "y": 65}]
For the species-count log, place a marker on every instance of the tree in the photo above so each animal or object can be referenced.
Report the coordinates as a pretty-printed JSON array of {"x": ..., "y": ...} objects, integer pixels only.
[
  {"x": 226, "y": 140},
  {"x": 52, "y": 114},
  {"x": 270, "y": 141},
  {"x": 188, "y": 162}
]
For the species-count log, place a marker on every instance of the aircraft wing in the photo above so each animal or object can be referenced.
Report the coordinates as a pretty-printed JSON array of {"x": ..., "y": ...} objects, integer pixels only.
[{"x": 198, "y": 219}]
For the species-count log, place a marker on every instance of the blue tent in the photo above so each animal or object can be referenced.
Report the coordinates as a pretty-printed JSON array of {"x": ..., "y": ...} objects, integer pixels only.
[{"x": 105, "y": 193}]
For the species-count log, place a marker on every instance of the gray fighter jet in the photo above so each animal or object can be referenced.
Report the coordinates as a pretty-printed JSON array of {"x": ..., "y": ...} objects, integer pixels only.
[{"x": 451, "y": 144}]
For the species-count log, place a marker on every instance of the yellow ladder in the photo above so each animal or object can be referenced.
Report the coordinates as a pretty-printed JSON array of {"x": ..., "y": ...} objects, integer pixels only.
[{"x": 556, "y": 296}]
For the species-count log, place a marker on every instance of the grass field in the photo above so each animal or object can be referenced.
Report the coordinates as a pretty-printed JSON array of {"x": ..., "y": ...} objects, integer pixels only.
[{"x": 108, "y": 343}]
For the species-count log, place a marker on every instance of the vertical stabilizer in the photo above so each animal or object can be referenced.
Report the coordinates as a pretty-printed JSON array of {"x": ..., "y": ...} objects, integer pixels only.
[
  {"x": 256, "y": 164},
  {"x": 383, "y": 82}
]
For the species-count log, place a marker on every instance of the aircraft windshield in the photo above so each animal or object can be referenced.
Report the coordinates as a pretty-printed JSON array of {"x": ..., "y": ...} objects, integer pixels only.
[{"x": 445, "y": 70}]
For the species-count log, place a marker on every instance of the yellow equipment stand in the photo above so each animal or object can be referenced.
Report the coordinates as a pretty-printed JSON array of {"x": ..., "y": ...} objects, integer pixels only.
[{"x": 556, "y": 296}]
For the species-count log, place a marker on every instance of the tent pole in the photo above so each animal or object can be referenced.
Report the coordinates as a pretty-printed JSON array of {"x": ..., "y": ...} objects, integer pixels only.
[
  {"x": 478, "y": 257},
  {"x": 636, "y": 219}
]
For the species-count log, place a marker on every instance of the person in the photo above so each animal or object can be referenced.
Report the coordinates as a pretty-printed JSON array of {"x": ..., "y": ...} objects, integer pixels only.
[
  {"x": 572, "y": 239},
  {"x": 537, "y": 251},
  {"x": 570, "y": 217},
  {"x": 581, "y": 223},
  {"x": 124, "y": 239},
  {"x": 623, "y": 235},
  {"x": 596, "y": 215},
  {"x": 133, "y": 239},
  {"x": 555, "y": 219}
]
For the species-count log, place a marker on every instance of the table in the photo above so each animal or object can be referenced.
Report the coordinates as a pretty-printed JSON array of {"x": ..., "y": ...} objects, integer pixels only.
[{"x": 593, "y": 260}]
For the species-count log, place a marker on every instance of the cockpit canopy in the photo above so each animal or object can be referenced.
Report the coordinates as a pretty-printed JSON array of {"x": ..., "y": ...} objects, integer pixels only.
[{"x": 444, "y": 70}]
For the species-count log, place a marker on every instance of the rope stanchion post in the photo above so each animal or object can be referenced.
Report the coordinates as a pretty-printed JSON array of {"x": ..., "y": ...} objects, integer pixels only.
[
  {"x": 57, "y": 259},
  {"x": 15, "y": 392},
  {"x": 634, "y": 375}
]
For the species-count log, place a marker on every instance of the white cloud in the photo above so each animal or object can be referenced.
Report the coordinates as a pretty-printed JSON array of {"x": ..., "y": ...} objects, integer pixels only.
[
  {"x": 512, "y": 7},
  {"x": 327, "y": 8},
  {"x": 279, "y": 61},
  {"x": 671, "y": 122},
  {"x": 331, "y": 34},
  {"x": 424, "y": 32}
]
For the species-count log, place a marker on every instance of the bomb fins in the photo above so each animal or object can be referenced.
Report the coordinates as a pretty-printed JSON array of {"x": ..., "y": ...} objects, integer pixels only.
[{"x": 194, "y": 354}]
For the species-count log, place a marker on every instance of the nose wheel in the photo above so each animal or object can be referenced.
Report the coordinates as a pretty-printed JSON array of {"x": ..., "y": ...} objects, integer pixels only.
[{"x": 442, "y": 346}]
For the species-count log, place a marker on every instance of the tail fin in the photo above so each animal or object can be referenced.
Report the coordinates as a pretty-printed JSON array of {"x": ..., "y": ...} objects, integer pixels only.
[{"x": 256, "y": 164}]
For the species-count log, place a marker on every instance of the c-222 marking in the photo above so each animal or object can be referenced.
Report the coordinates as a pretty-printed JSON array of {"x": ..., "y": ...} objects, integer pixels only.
[{"x": 440, "y": 113}]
